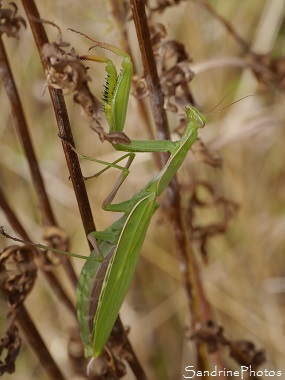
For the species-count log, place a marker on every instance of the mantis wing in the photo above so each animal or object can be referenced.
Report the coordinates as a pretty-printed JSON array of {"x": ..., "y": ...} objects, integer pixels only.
[
  {"x": 89, "y": 276},
  {"x": 120, "y": 270},
  {"x": 91, "y": 279}
]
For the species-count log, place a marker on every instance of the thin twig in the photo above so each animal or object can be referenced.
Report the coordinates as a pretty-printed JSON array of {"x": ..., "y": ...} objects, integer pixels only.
[
  {"x": 119, "y": 13},
  {"x": 37, "y": 343},
  {"x": 24, "y": 135},
  {"x": 63, "y": 125},
  {"x": 30, "y": 330},
  {"x": 156, "y": 96},
  {"x": 74, "y": 167},
  {"x": 23, "y": 132},
  {"x": 50, "y": 276},
  {"x": 184, "y": 251}
]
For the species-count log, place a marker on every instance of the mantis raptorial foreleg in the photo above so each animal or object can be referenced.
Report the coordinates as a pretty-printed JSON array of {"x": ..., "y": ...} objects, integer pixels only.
[{"x": 117, "y": 88}]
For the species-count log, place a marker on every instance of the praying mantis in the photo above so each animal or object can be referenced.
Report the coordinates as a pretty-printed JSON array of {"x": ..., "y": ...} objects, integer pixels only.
[
  {"x": 108, "y": 271},
  {"x": 103, "y": 285}
]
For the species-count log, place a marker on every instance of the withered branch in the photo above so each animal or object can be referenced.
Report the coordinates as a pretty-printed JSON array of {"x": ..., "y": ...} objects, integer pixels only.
[{"x": 184, "y": 252}]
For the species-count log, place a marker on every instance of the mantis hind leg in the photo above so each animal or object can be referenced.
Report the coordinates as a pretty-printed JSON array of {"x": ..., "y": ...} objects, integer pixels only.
[
  {"x": 125, "y": 172},
  {"x": 108, "y": 200},
  {"x": 125, "y": 169}
]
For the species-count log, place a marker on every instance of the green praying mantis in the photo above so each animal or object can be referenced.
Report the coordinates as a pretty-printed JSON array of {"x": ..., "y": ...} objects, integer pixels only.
[{"x": 103, "y": 285}]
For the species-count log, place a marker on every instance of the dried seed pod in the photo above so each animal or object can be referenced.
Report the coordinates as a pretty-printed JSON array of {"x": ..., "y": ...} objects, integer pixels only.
[
  {"x": 18, "y": 273},
  {"x": 10, "y": 24},
  {"x": 11, "y": 343}
]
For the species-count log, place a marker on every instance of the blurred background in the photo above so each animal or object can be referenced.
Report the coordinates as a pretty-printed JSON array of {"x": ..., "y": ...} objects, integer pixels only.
[{"x": 244, "y": 279}]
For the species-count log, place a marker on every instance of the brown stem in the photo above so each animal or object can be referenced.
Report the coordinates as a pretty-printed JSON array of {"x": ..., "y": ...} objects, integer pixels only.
[
  {"x": 132, "y": 358},
  {"x": 72, "y": 160},
  {"x": 119, "y": 14},
  {"x": 38, "y": 345},
  {"x": 184, "y": 251},
  {"x": 153, "y": 83},
  {"x": 50, "y": 276},
  {"x": 23, "y": 132},
  {"x": 63, "y": 124}
]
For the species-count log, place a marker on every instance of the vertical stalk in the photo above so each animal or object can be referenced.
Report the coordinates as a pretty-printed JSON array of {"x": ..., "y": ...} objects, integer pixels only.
[
  {"x": 184, "y": 251},
  {"x": 24, "y": 135},
  {"x": 76, "y": 174}
]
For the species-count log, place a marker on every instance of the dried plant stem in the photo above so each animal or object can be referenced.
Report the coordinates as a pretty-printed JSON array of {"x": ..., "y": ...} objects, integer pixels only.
[
  {"x": 38, "y": 345},
  {"x": 63, "y": 125},
  {"x": 23, "y": 132},
  {"x": 119, "y": 15},
  {"x": 217, "y": 63},
  {"x": 184, "y": 252},
  {"x": 156, "y": 97},
  {"x": 75, "y": 170},
  {"x": 50, "y": 276},
  {"x": 30, "y": 330}
]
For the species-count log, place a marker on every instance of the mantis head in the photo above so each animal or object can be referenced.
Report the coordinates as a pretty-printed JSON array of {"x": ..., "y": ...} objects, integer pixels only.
[{"x": 195, "y": 116}]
